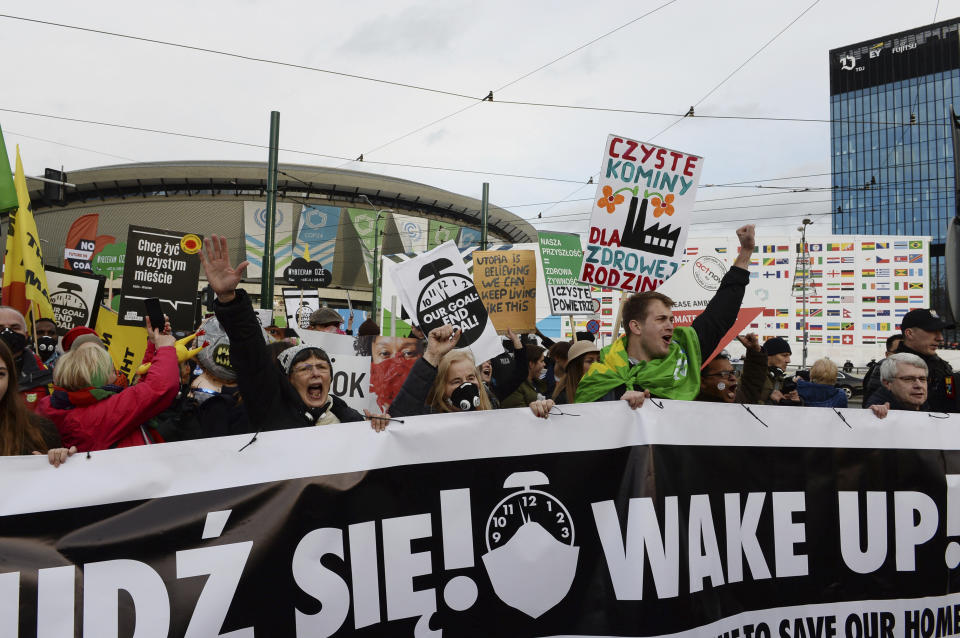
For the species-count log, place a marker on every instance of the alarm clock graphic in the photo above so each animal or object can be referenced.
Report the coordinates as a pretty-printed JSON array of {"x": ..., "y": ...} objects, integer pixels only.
[
  {"x": 70, "y": 310},
  {"x": 450, "y": 298},
  {"x": 531, "y": 558}
]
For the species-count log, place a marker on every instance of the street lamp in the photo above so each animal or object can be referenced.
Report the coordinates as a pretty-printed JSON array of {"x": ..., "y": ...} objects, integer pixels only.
[
  {"x": 375, "y": 284},
  {"x": 806, "y": 269}
]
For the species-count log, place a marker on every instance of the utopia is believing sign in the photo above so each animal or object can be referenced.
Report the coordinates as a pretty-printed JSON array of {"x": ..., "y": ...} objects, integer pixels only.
[
  {"x": 641, "y": 214},
  {"x": 500, "y": 530}
]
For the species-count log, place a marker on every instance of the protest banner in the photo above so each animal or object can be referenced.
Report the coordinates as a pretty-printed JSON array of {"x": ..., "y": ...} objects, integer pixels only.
[
  {"x": 126, "y": 344},
  {"x": 164, "y": 264},
  {"x": 507, "y": 283},
  {"x": 75, "y": 297},
  {"x": 298, "y": 305},
  {"x": 561, "y": 257},
  {"x": 83, "y": 243},
  {"x": 641, "y": 215},
  {"x": 690, "y": 520},
  {"x": 435, "y": 288}
]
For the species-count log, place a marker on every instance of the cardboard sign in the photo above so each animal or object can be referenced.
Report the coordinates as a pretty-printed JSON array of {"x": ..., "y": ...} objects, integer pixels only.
[
  {"x": 126, "y": 344},
  {"x": 75, "y": 297},
  {"x": 641, "y": 215},
  {"x": 299, "y": 305},
  {"x": 436, "y": 289},
  {"x": 507, "y": 283},
  {"x": 164, "y": 264},
  {"x": 561, "y": 257}
]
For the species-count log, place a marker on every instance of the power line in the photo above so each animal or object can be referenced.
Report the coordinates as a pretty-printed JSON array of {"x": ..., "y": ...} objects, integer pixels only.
[
  {"x": 79, "y": 148},
  {"x": 238, "y": 56}
]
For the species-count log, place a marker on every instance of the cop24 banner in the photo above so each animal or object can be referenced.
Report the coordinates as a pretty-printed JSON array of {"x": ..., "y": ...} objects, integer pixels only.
[
  {"x": 679, "y": 519},
  {"x": 641, "y": 215}
]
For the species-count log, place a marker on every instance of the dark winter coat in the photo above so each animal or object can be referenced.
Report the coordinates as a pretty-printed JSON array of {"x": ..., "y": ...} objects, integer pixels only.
[{"x": 821, "y": 395}]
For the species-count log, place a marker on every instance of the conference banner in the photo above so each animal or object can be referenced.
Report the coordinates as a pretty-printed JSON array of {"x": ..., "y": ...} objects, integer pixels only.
[
  {"x": 678, "y": 519},
  {"x": 641, "y": 215},
  {"x": 560, "y": 257},
  {"x": 255, "y": 233}
]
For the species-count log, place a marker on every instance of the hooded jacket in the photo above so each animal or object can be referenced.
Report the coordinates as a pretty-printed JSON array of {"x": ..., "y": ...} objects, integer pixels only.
[{"x": 821, "y": 395}]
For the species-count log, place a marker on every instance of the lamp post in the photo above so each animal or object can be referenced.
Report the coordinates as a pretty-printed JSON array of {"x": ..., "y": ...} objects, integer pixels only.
[
  {"x": 806, "y": 270},
  {"x": 375, "y": 284}
]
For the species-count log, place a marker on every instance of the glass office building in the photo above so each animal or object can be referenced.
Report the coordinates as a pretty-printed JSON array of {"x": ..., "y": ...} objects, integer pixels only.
[{"x": 891, "y": 150}]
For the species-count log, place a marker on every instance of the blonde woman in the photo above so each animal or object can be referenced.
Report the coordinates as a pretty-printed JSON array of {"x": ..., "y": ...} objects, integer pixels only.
[
  {"x": 447, "y": 380},
  {"x": 821, "y": 390}
]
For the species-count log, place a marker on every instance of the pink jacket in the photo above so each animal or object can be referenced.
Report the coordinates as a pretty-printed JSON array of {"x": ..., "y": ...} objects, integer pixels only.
[{"x": 115, "y": 421}]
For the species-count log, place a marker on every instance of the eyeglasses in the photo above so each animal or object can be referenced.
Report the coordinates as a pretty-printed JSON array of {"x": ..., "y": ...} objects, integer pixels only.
[
  {"x": 730, "y": 374},
  {"x": 912, "y": 379},
  {"x": 305, "y": 368}
]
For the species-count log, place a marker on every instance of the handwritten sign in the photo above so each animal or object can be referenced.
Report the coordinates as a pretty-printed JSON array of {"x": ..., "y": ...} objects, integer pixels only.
[
  {"x": 507, "y": 283},
  {"x": 560, "y": 257},
  {"x": 641, "y": 214}
]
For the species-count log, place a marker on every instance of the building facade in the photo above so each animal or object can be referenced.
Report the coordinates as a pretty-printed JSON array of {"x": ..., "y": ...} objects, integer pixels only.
[{"x": 892, "y": 159}]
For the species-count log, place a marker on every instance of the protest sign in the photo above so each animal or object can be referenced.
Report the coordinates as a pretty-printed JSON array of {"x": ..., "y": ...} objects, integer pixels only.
[
  {"x": 109, "y": 261},
  {"x": 692, "y": 520},
  {"x": 83, "y": 243},
  {"x": 435, "y": 288},
  {"x": 75, "y": 297},
  {"x": 561, "y": 257},
  {"x": 164, "y": 264},
  {"x": 641, "y": 215},
  {"x": 126, "y": 344},
  {"x": 507, "y": 283},
  {"x": 264, "y": 316},
  {"x": 299, "y": 305},
  {"x": 351, "y": 369}
]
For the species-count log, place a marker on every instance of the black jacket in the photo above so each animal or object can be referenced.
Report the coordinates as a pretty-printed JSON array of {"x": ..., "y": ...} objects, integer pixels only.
[
  {"x": 939, "y": 373},
  {"x": 882, "y": 395},
  {"x": 715, "y": 320},
  {"x": 272, "y": 403}
]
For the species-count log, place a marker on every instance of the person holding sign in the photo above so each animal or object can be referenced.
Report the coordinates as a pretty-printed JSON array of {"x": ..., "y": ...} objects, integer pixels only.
[
  {"x": 656, "y": 359},
  {"x": 297, "y": 393},
  {"x": 446, "y": 379}
]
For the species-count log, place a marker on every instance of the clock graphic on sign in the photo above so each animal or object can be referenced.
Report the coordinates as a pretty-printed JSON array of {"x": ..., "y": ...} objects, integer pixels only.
[
  {"x": 528, "y": 505},
  {"x": 450, "y": 298},
  {"x": 531, "y": 559}
]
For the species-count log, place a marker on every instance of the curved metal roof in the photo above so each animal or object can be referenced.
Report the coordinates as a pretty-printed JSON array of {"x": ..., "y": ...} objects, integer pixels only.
[{"x": 297, "y": 183}]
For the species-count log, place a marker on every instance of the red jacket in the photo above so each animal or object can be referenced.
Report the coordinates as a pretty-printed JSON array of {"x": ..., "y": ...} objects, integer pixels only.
[{"x": 115, "y": 421}]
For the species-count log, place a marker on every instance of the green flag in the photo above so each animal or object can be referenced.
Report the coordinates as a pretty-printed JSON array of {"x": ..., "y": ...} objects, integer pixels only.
[{"x": 8, "y": 194}]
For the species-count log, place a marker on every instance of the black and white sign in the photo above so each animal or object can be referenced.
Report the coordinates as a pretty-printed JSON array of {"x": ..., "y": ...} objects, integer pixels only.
[
  {"x": 298, "y": 306},
  {"x": 307, "y": 274},
  {"x": 75, "y": 297},
  {"x": 437, "y": 290},
  {"x": 689, "y": 519},
  {"x": 164, "y": 264}
]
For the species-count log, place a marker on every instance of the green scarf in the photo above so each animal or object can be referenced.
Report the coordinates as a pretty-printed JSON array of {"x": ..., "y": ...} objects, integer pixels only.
[{"x": 676, "y": 376}]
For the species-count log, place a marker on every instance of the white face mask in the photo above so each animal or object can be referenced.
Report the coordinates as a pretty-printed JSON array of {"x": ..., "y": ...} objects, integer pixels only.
[{"x": 543, "y": 374}]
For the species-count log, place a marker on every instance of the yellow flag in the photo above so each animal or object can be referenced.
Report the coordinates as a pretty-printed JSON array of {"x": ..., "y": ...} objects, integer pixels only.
[
  {"x": 24, "y": 279},
  {"x": 126, "y": 344}
]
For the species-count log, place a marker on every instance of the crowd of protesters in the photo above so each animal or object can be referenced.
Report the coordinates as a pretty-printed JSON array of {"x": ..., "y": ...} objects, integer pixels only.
[{"x": 61, "y": 396}]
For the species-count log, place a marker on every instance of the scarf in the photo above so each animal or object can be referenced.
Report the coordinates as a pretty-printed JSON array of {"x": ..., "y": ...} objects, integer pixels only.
[
  {"x": 676, "y": 376},
  {"x": 62, "y": 399}
]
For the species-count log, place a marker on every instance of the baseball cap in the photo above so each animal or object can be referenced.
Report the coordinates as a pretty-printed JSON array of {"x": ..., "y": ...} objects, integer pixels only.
[
  {"x": 925, "y": 319},
  {"x": 325, "y": 316}
]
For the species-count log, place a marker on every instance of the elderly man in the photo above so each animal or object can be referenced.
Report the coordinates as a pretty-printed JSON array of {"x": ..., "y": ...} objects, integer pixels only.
[
  {"x": 33, "y": 377},
  {"x": 871, "y": 379},
  {"x": 922, "y": 336},
  {"x": 326, "y": 320},
  {"x": 904, "y": 379}
]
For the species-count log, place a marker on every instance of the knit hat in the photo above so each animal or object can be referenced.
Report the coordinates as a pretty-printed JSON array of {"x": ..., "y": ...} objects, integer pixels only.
[
  {"x": 325, "y": 316},
  {"x": 215, "y": 356},
  {"x": 368, "y": 328},
  {"x": 776, "y": 345},
  {"x": 78, "y": 335},
  {"x": 291, "y": 356}
]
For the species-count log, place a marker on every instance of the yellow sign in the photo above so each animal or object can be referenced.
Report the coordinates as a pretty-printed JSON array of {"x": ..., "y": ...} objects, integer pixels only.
[
  {"x": 507, "y": 283},
  {"x": 126, "y": 344}
]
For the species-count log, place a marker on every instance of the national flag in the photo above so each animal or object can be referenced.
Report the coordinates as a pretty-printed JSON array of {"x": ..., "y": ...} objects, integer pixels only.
[
  {"x": 834, "y": 273},
  {"x": 846, "y": 325},
  {"x": 833, "y": 338},
  {"x": 24, "y": 279},
  {"x": 847, "y": 299},
  {"x": 869, "y": 340},
  {"x": 833, "y": 260},
  {"x": 814, "y": 248},
  {"x": 883, "y": 313},
  {"x": 815, "y": 338},
  {"x": 834, "y": 286},
  {"x": 900, "y": 272},
  {"x": 833, "y": 312},
  {"x": 769, "y": 248},
  {"x": 769, "y": 312},
  {"x": 8, "y": 191},
  {"x": 883, "y": 285},
  {"x": 899, "y": 312},
  {"x": 916, "y": 299},
  {"x": 816, "y": 274},
  {"x": 868, "y": 312},
  {"x": 901, "y": 299},
  {"x": 606, "y": 312},
  {"x": 867, "y": 245},
  {"x": 721, "y": 250},
  {"x": 869, "y": 272},
  {"x": 846, "y": 246},
  {"x": 846, "y": 260},
  {"x": 883, "y": 272},
  {"x": 869, "y": 326},
  {"x": 754, "y": 325},
  {"x": 783, "y": 261},
  {"x": 754, "y": 274},
  {"x": 769, "y": 261},
  {"x": 833, "y": 325},
  {"x": 916, "y": 245},
  {"x": 754, "y": 262},
  {"x": 847, "y": 286},
  {"x": 692, "y": 250},
  {"x": 900, "y": 258},
  {"x": 847, "y": 340},
  {"x": 846, "y": 311},
  {"x": 814, "y": 299},
  {"x": 846, "y": 273},
  {"x": 814, "y": 326},
  {"x": 833, "y": 247},
  {"x": 882, "y": 260},
  {"x": 883, "y": 327},
  {"x": 883, "y": 298},
  {"x": 900, "y": 245},
  {"x": 782, "y": 326},
  {"x": 868, "y": 300},
  {"x": 783, "y": 249},
  {"x": 783, "y": 312},
  {"x": 833, "y": 298},
  {"x": 883, "y": 245},
  {"x": 916, "y": 258},
  {"x": 815, "y": 312}
]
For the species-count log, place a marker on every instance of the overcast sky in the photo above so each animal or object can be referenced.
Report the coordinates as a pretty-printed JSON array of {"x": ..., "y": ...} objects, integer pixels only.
[{"x": 664, "y": 62}]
